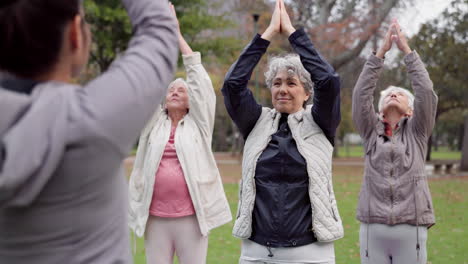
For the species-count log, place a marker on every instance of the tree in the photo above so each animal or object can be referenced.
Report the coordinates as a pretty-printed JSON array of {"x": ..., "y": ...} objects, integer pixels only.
[
  {"x": 112, "y": 30},
  {"x": 442, "y": 45},
  {"x": 341, "y": 29}
]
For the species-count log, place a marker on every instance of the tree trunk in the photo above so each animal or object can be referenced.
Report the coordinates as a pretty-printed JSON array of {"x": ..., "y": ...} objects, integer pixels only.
[
  {"x": 429, "y": 148},
  {"x": 436, "y": 141},
  {"x": 461, "y": 131},
  {"x": 464, "y": 160}
]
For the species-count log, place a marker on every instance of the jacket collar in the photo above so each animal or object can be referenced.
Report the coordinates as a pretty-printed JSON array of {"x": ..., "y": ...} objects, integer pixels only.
[
  {"x": 380, "y": 127},
  {"x": 298, "y": 116}
]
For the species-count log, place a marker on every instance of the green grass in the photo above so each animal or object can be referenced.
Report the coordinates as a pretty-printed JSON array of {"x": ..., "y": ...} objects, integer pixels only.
[
  {"x": 357, "y": 151},
  {"x": 447, "y": 239}
]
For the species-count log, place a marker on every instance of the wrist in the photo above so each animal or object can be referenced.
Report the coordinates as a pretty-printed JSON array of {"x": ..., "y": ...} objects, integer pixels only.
[
  {"x": 268, "y": 34},
  {"x": 407, "y": 50},
  {"x": 290, "y": 31},
  {"x": 380, "y": 53}
]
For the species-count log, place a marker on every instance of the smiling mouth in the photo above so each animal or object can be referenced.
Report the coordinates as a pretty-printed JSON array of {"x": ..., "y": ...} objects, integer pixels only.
[{"x": 283, "y": 99}]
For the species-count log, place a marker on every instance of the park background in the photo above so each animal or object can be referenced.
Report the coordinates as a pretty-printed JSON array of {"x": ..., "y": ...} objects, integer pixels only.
[{"x": 345, "y": 32}]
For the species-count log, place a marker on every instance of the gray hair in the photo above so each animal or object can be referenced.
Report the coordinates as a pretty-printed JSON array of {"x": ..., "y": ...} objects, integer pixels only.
[
  {"x": 178, "y": 80},
  {"x": 293, "y": 65},
  {"x": 390, "y": 89}
]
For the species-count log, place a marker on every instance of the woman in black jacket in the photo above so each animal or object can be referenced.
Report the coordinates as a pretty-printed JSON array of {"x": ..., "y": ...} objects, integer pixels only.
[{"x": 287, "y": 208}]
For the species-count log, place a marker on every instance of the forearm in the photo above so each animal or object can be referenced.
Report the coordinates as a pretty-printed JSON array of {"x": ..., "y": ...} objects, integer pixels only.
[
  {"x": 425, "y": 100},
  {"x": 363, "y": 112},
  {"x": 184, "y": 47},
  {"x": 319, "y": 69},
  {"x": 239, "y": 100}
]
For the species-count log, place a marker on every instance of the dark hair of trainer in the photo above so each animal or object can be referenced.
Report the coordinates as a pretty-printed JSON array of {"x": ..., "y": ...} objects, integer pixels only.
[{"x": 33, "y": 34}]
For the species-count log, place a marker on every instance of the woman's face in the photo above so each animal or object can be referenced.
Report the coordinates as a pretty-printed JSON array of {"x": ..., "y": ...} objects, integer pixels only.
[
  {"x": 287, "y": 93},
  {"x": 177, "y": 98},
  {"x": 396, "y": 100}
]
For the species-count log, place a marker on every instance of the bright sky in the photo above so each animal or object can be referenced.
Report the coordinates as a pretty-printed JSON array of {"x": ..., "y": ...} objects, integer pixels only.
[{"x": 422, "y": 11}]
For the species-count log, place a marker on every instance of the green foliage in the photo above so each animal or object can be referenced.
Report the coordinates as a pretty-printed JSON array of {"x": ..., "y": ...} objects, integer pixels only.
[
  {"x": 111, "y": 30},
  {"x": 442, "y": 44},
  {"x": 444, "y": 238}
]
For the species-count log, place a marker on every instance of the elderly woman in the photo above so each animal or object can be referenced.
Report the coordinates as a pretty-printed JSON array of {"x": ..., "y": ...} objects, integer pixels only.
[
  {"x": 287, "y": 211},
  {"x": 395, "y": 206},
  {"x": 176, "y": 193}
]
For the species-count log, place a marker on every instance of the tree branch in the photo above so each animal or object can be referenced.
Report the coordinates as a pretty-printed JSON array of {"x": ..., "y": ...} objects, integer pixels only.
[{"x": 371, "y": 28}]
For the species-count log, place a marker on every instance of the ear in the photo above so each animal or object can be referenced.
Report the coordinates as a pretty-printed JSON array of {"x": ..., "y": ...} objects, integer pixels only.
[
  {"x": 75, "y": 34},
  {"x": 307, "y": 96},
  {"x": 410, "y": 112}
]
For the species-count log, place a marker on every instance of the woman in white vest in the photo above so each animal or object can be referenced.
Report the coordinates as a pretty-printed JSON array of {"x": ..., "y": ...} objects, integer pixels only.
[
  {"x": 176, "y": 193},
  {"x": 287, "y": 211}
]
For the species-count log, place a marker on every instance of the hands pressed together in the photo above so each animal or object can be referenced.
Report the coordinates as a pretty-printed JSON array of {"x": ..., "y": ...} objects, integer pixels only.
[
  {"x": 183, "y": 45},
  {"x": 280, "y": 22},
  {"x": 394, "y": 35}
]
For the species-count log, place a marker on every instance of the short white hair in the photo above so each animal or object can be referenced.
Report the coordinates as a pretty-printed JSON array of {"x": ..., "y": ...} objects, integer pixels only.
[
  {"x": 390, "y": 89},
  {"x": 178, "y": 80},
  {"x": 293, "y": 65}
]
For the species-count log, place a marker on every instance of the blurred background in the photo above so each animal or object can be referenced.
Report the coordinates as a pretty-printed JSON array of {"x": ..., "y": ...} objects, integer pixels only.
[{"x": 345, "y": 32}]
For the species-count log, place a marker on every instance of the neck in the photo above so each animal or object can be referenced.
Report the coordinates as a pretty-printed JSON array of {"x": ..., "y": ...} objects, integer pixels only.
[
  {"x": 59, "y": 74},
  {"x": 392, "y": 118},
  {"x": 176, "y": 116}
]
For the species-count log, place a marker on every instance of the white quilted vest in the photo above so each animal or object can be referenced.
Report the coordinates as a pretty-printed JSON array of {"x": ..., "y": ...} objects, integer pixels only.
[{"x": 316, "y": 150}]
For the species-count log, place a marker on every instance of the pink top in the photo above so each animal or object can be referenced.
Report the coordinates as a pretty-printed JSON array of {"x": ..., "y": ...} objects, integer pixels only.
[{"x": 171, "y": 197}]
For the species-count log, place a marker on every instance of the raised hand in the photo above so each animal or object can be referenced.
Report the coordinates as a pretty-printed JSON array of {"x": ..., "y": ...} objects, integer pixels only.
[
  {"x": 286, "y": 25},
  {"x": 183, "y": 45},
  {"x": 275, "y": 24},
  {"x": 387, "y": 43},
  {"x": 399, "y": 38}
]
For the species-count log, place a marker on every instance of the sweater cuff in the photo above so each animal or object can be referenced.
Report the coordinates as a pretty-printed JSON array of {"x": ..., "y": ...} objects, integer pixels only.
[
  {"x": 260, "y": 42},
  {"x": 192, "y": 59},
  {"x": 297, "y": 34},
  {"x": 411, "y": 57},
  {"x": 375, "y": 60}
]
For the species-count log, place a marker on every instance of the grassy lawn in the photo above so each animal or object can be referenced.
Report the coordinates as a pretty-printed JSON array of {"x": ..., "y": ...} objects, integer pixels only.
[
  {"x": 357, "y": 151},
  {"x": 447, "y": 239}
]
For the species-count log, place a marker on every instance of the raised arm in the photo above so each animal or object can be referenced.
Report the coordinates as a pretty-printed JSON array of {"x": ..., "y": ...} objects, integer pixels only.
[
  {"x": 326, "y": 107},
  {"x": 201, "y": 93},
  {"x": 119, "y": 102},
  {"x": 425, "y": 100},
  {"x": 200, "y": 89},
  {"x": 364, "y": 115},
  {"x": 238, "y": 99}
]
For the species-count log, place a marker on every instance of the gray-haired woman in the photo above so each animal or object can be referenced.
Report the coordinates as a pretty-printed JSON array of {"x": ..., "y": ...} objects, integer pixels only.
[
  {"x": 395, "y": 206},
  {"x": 287, "y": 211},
  {"x": 175, "y": 191}
]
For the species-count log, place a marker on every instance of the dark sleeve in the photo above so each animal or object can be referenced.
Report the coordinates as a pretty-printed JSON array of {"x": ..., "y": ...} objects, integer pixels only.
[
  {"x": 326, "y": 107},
  {"x": 239, "y": 100}
]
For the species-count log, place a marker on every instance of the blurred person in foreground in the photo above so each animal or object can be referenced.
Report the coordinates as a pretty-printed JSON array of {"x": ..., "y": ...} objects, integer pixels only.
[{"x": 63, "y": 195}]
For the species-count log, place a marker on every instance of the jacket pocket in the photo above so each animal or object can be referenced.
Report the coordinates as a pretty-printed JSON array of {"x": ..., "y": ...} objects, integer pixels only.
[
  {"x": 136, "y": 186},
  {"x": 211, "y": 197}
]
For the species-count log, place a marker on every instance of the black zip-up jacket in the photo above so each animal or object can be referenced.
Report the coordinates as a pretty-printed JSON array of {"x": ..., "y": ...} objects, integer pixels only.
[{"x": 282, "y": 215}]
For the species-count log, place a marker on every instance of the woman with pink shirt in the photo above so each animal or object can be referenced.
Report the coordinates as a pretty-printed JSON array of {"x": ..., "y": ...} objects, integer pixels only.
[{"x": 175, "y": 191}]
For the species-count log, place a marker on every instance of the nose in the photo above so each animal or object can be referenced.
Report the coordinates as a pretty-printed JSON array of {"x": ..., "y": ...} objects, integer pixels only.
[
  {"x": 393, "y": 95},
  {"x": 283, "y": 89}
]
